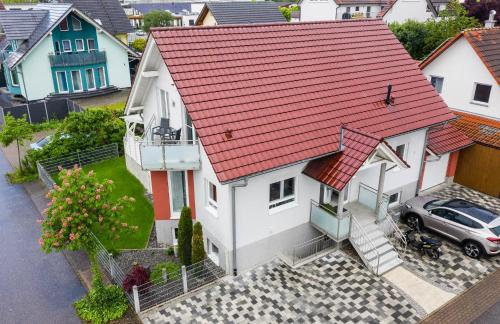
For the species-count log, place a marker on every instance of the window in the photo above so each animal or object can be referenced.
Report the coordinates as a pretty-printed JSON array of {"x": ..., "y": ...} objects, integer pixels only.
[
  {"x": 281, "y": 192},
  {"x": 76, "y": 23},
  {"x": 77, "y": 81},
  {"x": 66, "y": 45},
  {"x": 57, "y": 47},
  {"x": 79, "y": 45},
  {"x": 348, "y": 9},
  {"x": 191, "y": 22},
  {"x": 178, "y": 191},
  {"x": 368, "y": 12},
  {"x": 482, "y": 93},
  {"x": 91, "y": 44},
  {"x": 89, "y": 76},
  {"x": 213, "y": 252},
  {"x": 63, "y": 26},
  {"x": 437, "y": 83},
  {"x": 443, "y": 213},
  {"x": 400, "y": 151},
  {"x": 211, "y": 195},
  {"x": 163, "y": 103},
  {"x": 14, "y": 77},
  {"x": 62, "y": 81},
  {"x": 394, "y": 198},
  {"x": 465, "y": 221},
  {"x": 102, "y": 77},
  {"x": 357, "y": 8}
]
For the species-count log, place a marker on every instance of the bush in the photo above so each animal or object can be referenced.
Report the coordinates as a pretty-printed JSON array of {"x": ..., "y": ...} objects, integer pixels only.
[
  {"x": 139, "y": 44},
  {"x": 137, "y": 276},
  {"x": 198, "y": 246},
  {"x": 170, "y": 251},
  {"x": 23, "y": 176},
  {"x": 173, "y": 272},
  {"x": 102, "y": 304},
  {"x": 185, "y": 236}
]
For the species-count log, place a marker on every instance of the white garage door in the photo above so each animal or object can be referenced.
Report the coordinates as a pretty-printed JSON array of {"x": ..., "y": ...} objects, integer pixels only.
[{"x": 435, "y": 172}]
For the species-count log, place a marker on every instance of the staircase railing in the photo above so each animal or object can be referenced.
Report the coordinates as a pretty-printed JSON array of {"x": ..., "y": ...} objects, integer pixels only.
[
  {"x": 394, "y": 234},
  {"x": 359, "y": 239}
]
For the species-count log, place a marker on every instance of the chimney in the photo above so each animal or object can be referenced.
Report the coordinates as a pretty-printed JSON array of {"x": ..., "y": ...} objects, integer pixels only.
[
  {"x": 388, "y": 98},
  {"x": 490, "y": 23}
]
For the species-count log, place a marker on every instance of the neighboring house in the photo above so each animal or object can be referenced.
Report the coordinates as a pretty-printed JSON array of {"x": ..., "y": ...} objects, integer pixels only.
[
  {"x": 240, "y": 12},
  {"x": 268, "y": 159},
  {"x": 184, "y": 13},
  {"x": 439, "y": 5},
  {"x": 388, "y": 10},
  {"x": 57, "y": 50},
  {"x": 466, "y": 72},
  {"x": 107, "y": 13}
]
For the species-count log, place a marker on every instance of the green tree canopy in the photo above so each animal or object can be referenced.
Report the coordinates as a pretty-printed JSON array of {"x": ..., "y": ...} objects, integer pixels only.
[
  {"x": 157, "y": 18},
  {"x": 16, "y": 130},
  {"x": 139, "y": 44}
]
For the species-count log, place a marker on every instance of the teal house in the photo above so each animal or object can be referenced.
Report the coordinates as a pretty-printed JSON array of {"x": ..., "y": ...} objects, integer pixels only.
[{"x": 55, "y": 50}]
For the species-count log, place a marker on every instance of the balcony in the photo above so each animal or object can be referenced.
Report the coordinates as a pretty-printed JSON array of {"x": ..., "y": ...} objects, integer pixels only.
[
  {"x": 77, "y": 58},
  {"x": 324, "y": 218},
  {"x": 170, "y": 155}
]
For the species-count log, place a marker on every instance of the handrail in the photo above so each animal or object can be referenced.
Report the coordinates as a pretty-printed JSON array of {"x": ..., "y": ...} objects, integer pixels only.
[
  {"x": 308, "y": 249},
  {"x": 152, "y": 122},
  {"x": 328, "y": 210},
  {"x": 396, "y": 231},
  {"x": 365, "y": 240},
  {"x": 373, "y": 190}
]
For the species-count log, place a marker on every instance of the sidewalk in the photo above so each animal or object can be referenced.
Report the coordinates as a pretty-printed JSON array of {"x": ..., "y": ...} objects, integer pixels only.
[{"x": 468, "y": 306}]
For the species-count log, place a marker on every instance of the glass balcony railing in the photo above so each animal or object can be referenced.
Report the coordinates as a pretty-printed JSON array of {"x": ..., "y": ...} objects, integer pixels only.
[
  {"x": 173, "y": 155},
  {"x": 368, "y": 197},
  {"x": 326, "y": 220},
  {"x": 77, "y": 58}
]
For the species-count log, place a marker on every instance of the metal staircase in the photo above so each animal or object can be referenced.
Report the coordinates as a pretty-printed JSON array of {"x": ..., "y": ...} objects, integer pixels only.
[{"x": 374, "y": 247}]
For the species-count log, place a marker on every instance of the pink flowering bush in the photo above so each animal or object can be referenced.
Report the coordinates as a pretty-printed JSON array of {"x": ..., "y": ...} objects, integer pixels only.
[{"x": 78, "y": 205}]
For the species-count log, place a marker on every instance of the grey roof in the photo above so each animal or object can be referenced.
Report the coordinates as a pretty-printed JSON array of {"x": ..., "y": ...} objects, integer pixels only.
[
  {"x": 20, "y": 24},
  {"x": 232, "y": 13},
  {"x": 173, "y": 7},
  {"x": 109, "y": 12}
]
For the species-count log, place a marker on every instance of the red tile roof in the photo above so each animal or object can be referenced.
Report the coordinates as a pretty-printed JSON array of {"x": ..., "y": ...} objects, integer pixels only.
[
  {"x": 484, "y": 41},
  {"x": 446, "y": 138},
  {"x": 256, "y": 109},
  {"x": 336, "y": 170},
  {"x": 479, "y": 129}
]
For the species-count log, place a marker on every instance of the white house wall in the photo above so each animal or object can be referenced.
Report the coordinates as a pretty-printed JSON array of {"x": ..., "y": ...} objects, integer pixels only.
[
  {"x": 404, "y": 10},
  {"x": 316, "y": 10},
  {"x": 117, "y": 61},
  {"x": 36, "y": 71},
  {"x": 435, "y": 171},
  {"x": 363, "y": 9},
  {"x": 461, "y": 68}
]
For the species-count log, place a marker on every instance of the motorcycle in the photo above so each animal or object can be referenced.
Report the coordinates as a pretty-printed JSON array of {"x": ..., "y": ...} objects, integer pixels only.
[{"x": 423, "y": 244}]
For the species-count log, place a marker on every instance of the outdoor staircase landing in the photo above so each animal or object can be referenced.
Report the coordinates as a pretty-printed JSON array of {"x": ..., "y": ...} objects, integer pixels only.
[{"x": 377, "y": 253}]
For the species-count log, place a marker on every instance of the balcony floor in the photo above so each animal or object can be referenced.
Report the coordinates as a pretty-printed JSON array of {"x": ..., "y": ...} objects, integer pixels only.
[{"x": 363, "y": 214}]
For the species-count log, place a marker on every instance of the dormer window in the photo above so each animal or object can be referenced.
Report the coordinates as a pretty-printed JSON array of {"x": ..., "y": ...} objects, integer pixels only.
[
  {"x": 77, "y": 24},
  {"x": 63, "y": 26}
]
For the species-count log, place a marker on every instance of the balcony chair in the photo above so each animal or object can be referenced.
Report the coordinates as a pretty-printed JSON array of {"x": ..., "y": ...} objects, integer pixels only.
[{"x": 164, "y": 130}]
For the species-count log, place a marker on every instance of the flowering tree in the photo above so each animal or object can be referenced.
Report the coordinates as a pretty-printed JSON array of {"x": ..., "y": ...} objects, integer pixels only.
[{"x": 79, "y": 205}]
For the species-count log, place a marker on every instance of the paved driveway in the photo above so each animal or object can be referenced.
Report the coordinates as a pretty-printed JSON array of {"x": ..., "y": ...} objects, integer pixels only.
[
  {"x": 34, "y": 287},
  {"x": 454, "y": 271},
  {"x": 332, "y": 289}
]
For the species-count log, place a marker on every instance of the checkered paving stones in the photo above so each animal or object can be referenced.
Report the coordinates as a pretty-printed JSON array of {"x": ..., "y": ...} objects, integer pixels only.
[
  {"x": 454, "y": 271},
  {"x": 333, "y": 289}
]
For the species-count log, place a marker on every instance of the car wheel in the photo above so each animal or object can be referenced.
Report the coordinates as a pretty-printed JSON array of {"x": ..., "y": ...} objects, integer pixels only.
[
  {"x": 414, "y": 222},
  {"x": 472, "y": 249}
]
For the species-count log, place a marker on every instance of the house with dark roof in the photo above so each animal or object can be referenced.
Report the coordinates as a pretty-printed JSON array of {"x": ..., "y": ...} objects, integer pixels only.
[
  {"x": 465, "y": 71},
  {"x": 57, "y": 50},
  {"x": 269, "y": 152},
  {"x": 184, "y": 13},
  {"x": 107, "y": 13},
  {"x": 240, "y": 12},
  {"x": 389, "y": 10}
]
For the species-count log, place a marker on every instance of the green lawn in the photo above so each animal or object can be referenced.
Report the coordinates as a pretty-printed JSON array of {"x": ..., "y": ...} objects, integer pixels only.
[{"x": 141, "y": 212}]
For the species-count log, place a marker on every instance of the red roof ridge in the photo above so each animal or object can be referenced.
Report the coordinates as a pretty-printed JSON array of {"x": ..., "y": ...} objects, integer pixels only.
[{"x": 360, "y": 132}]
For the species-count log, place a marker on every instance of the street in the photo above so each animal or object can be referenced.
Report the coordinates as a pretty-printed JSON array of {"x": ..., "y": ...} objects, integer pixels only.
[{"x": 34, "y": 287}]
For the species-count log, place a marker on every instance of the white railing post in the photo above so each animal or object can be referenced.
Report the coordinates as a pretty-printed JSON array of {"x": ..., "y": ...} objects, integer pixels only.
[
  {"x": 184, "y": 279},
  {"x": 137, "y": 305},
  {"x": 111, "y": 267},
  {"x": 164, "y": 274}
]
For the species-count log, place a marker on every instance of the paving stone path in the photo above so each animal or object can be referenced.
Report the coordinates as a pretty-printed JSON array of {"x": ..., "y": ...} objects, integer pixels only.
[{"x": 332, "y": 289}]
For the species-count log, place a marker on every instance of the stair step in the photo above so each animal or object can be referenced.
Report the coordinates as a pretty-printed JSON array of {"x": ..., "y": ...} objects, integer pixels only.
[
  {"x": 386, "y": 248},
  {"x": 372, "y": 235},
  {"x": 388, "y": 266},
  {"x": 385, "y": 258},
  {"x": 375, "y": 243}
]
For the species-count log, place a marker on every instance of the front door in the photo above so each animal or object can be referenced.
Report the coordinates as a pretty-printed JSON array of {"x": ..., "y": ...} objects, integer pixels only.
[
  {"x": 178, "y": 192},
  {"x": 331, "y": 196}
]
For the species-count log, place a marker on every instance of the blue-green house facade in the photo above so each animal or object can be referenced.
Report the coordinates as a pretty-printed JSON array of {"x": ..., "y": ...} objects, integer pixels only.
[{"x": 75, "y": 55}]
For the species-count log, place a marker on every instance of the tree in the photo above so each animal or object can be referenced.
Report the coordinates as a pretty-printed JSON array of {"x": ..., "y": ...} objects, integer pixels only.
[
  {"x": 157, "y": 18},
  {"x": 185, "y": 236},
  {"x": 139, "y": 44},
  {"x": 18, "y": 130},
  {"x": 412, "y": 34},
  {"x": 80, "y": 204},
  {"x": 480, "y": 9},
  {"x": 198, "y": 246},
  {"x": 287, "y": 12}
]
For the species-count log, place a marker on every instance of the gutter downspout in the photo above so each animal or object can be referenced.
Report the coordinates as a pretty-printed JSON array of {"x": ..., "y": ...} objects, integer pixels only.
[
  {"x": 422, "y": 163},
  {"x": 233, "y": 222}
]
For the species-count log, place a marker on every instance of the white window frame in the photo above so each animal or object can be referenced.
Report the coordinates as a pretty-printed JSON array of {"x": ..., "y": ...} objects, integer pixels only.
[
  {"x": 481, "y": 103},
  {"x": 83, "y": 44},
  {"x": 397, "y": 201},
  {"x": 73, "y": 80},
  {"x": 442, "y": 82},
  {"x": 177, "y": 215},
  {"x": 210, "y": 203},
  {"x": 210, "y": 252},
  {"x": 67, "y": 24},
  {"x": 93, "y": 78},
  {"x": 104, "y": 83},
  {"x": 283, "y": 202},
  {"x": 70, "y": 46},
  {"x": 88, "y": 45},
  {"x": 12, "y": 77},
  {"x": 163, "y": 94},
  {"x": 405, "y": 150},
  {"x": 59, "y": 83},
  {"x": 73, "y": 19}
]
